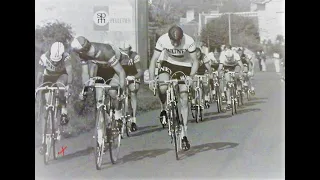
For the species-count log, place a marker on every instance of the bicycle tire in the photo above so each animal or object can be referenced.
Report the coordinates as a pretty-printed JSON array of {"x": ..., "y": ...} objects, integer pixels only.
[
  {"x": 48, "y": 121},
  {"x": 54, "y": 126},
  {"x": 198, "y": 103},
  {"x": 128, "y": 123},
  {"x": 99, "y": 149},
  {"x": 235, "y": 101},
  {"x": 175, "y": 131},
  {"x": 114, "y": 136},
  {"x": 218, "y": 99}
]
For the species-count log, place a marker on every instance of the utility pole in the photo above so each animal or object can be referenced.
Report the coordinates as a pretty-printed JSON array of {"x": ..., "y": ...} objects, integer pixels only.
[{"x": 229, "y": 28}]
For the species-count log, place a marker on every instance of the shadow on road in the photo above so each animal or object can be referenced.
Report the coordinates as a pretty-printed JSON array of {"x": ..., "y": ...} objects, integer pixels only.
[
  {"x": 252, "y": 103},
  {"x": 212, "y": 118},
  {"x": 147, "y": 130},
  {"x": 207, "y": 147},
  {"x": 139, "y": 155},
  {"x": 257, "y": 98},
  {"x": 76, "y": 154},
  {"x": 242, "y": 111}
]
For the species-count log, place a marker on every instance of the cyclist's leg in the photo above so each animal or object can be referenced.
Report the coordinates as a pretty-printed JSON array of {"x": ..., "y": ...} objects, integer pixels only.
[
  {"x": 237, "y": 77},
  {"x": 245, "y": 76},
  {"x": 114, "y": 96},
  {"x": 64, "y": 113},
  {"x": 206, "y": 91},
  {"x": 223, "y": 84},
  {"x": 227, "y": 79},
  {"x": 163, "y": 75},
  {"x": 133, "y": 88}
]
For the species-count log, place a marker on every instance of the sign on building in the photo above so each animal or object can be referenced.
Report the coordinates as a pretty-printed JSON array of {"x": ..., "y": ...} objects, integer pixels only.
[{"x": 113, "y": 18}]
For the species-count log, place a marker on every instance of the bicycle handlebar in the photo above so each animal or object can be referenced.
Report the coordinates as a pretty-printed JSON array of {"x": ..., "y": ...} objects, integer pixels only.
[{"x": 168, "y": 82}]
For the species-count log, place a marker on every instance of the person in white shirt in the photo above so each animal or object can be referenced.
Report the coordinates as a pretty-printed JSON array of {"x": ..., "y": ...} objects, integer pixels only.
[
  {"x": 177, "y": 52},
  {"x": 230, "y": 61}
]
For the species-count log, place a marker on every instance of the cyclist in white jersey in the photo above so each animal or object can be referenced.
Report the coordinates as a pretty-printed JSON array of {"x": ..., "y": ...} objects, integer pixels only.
[
  {"x": 230, "y": 60},
  {"x": 176, "y": 51}
]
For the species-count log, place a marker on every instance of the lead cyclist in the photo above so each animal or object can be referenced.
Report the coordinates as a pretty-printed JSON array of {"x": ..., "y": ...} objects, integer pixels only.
[{"x": 172, "y": 49}]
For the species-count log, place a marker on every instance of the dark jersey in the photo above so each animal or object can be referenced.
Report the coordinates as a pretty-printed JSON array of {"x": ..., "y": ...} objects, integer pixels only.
[
  {"x": 128, "y": 62},
  {"x": 101, "y": 54}
]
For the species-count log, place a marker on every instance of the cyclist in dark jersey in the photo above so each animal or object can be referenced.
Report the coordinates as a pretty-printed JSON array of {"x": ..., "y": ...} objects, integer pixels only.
[
  {"x": 247, "y": 62},
  {"x": 132, "y": 67},
  {"x": 204, "y": 67},
  {"x": 102, "y": 60}
]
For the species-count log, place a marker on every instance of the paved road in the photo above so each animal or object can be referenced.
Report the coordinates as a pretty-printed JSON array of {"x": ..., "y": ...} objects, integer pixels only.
[{"x": 248, "y": 145}]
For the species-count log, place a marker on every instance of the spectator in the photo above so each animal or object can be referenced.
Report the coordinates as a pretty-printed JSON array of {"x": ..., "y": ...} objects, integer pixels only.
[
  {"x": 263, "y": 61},
  {"x": 258, "y": 56}
]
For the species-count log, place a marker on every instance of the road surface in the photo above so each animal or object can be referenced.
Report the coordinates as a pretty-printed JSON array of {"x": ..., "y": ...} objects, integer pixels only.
[{"x": 249, "y": 145}]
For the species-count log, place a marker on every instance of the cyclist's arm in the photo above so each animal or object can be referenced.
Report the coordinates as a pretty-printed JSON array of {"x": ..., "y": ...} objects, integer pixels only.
[
  {"x": 68, "y": 69},
  {"x": 119, "y": 70},
  {"x": 138, "y": 67},
  {"x": 207, "y": 63},
  {"x": 156, "y": 54},
  {"x": 194, "y": 60},
  {"x": 41, "y": 69}
]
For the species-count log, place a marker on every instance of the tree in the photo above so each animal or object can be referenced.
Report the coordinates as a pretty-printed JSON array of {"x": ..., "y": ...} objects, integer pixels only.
[
  {"x": 243, "y": 32},
  {"x": 52, "y": 32}
]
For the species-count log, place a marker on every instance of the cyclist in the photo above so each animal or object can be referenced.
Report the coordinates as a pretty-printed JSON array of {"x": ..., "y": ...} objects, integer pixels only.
[
  {"x": 133, "y": 69},
  {"x": 214, "y": 61},
  {"x": 247, "y": 62},
  {"x": 204, "y": 65},
  {"x": 231, "y": 62},
  {"x": 99, "y": 59},
  {"x": 55, "y": 66},
  {"x": 172, "y": 49}
]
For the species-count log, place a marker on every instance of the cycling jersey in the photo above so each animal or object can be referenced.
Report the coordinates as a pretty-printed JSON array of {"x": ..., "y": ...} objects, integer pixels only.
[
  {"x": 102, "y": 54},
  {"x": 229, "y": 62},
  {"x": 176, "y": 55},
  {"x": 214, "y": 62},
  {"x": 128, "y": 62},
  {"x": 202, "y": 61},
  {"x": 246, "y": 58},
  {"x": 51, "y": 69}
]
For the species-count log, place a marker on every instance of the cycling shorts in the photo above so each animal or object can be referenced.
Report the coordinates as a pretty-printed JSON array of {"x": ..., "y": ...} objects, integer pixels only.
[{"x": 170, "y": 68}]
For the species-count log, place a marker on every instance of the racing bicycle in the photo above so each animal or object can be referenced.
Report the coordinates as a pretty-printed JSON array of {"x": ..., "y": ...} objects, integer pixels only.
[
  {"x": 231, "y": 87},
  {"x": 52, "y": 127},
  {"x": 174, "y": 121},
  {"x": 107, "y": 129}
]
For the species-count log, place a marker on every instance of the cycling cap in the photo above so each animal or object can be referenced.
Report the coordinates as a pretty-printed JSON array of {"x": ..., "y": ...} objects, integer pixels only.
[
  {"x": 81, "y": 44},
  {"x": 175, "y": 33},
  {"x": 56, "y": 51}
]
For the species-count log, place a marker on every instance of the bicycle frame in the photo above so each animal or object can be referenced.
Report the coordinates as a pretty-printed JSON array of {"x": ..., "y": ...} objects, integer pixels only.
[
  {"x": 231, "y": 86},
  {"x": 52, "y": 104},
  {"x": 174, "y": 122}
]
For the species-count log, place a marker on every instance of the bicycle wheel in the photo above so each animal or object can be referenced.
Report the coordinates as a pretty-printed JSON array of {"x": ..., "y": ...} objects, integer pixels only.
[
  {"x": 100, "y": 131},
  {"x": 55, "y": 125},
  {"x": 176, "y": 133},
  {"x": 218, "y": 99},
  {"x": 198, "y": 105},
  {"x": 48, "y": 135},
  {"x": 235, "y": 102},
  {"x": 114, "y": 139},
  {"x": 127, "y": 121}
]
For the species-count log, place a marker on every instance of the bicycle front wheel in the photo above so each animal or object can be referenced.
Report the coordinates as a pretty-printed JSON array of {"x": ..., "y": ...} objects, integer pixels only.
[
  {"x": 100, "y": 132},
  {"x": 234, "y": 102},
  {"x": 114, "y": 136},
  {"x": 176, "y": 132},
  {"x": 48, "y": 136},
  {"x": 218, "y": 99}
]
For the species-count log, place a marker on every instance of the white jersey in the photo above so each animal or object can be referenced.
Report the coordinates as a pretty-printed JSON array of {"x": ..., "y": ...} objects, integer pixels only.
[
  {"x": 176, "y": 55},
  {"x": 229, "y": 62},
  {"x": 212, "y": 59}
]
